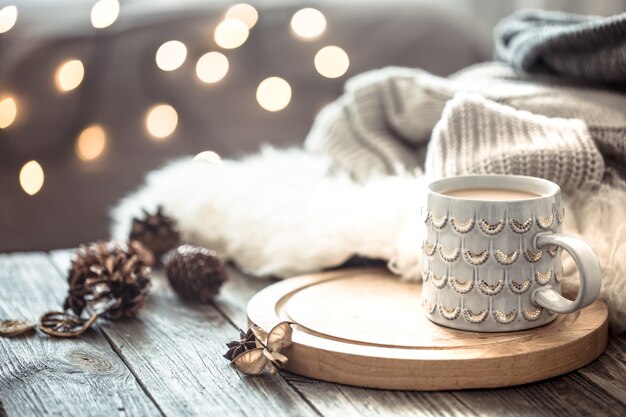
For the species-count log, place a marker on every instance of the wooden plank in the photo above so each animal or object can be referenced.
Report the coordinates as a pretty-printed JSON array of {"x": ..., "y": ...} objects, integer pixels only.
[
  {"x": 566, "y": 396},
  {"x": 545, "y": 398},
  {"x": 336, "y": 399},
  {"x": 175, "y": 350},
  {"x": 43, "y": 375},
  {"x": 609, "y": 371}
]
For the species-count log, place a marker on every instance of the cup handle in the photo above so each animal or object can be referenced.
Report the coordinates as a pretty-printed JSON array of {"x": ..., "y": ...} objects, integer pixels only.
[{"x": 588, "y": 268}]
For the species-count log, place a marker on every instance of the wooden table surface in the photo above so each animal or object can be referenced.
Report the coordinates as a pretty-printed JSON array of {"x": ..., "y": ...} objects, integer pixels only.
[{"x": 169, "y": 362}]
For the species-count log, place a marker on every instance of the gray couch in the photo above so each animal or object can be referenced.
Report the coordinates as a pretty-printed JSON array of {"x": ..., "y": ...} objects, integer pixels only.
[{"x": 122, "y": 81}]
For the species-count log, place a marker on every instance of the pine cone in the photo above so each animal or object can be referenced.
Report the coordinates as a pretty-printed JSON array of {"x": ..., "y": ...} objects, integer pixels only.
[
  {"x": 156, "y": 232},
  {"x": 111, "y": 279},
  {"x": 237, "y": 347},
  {"x": 195, "y": 273}
]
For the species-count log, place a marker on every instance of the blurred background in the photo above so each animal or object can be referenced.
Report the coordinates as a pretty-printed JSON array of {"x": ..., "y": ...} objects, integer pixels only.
[{"x": 94, "y": 94}]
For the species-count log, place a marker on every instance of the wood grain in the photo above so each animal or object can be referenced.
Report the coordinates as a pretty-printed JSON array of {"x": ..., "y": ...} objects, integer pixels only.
[
  {"x": 598, "y": 389},
  {"x": 175, "y": 350},
  {"x": 40, "y": 375},
  {"x": 564, "y": 396},
  {"x": 335, "y": 399},
  {"x": 609, "y": 371}
]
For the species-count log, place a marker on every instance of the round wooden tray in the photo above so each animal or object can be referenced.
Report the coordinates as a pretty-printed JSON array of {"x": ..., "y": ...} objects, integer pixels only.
[{"x": 365, "y": 327}]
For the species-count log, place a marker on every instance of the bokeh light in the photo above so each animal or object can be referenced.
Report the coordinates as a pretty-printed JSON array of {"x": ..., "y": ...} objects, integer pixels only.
[
  {"x": 8, "y": 17},
  {"x": 308, "y": 23},
  {"x": 273, "y": 94},
  {"x": 244, "y": 12},
  {"x": 91, "y": 142},
  {"x": 104, "y": 13},
  {"x": 231, "y": 33},
  {"x": 69, "y": 75},
  {"x": 161, "y": 120},
  {"x": 171, "y": 55},
  {"x": 8, "y": 112},
  {"x": 208, "y": 157},
  {"x": 332, "y": 61},
  {"x": 212, "y": 67},
  {"x": 31, "y": 177}
]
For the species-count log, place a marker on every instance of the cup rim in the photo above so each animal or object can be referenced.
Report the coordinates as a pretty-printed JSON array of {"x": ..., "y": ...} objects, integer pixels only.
[{"x": 525, "y": 183}]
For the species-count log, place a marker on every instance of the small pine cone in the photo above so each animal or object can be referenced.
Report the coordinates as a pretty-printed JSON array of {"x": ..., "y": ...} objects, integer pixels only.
[
  {"x": 111, "y": 279},
  {"x": 156, "y": 232},
  {"x": 195, "y": 273}
]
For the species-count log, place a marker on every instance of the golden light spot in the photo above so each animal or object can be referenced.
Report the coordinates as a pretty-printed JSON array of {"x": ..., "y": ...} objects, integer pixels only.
[
  {"x": 104, "y": 13},
  {"x": 171, "y": 55},
  {"x": 332, "y": 61},
  {"x": 69, "y": 75},
  {"x": 212, "y": 67},
  {"x": 161, "y": 120},
  {"x": 31, "y": 177},
  {"x": 231, "y": 33},
  {"x": 91, "y": 143},
  {"x": 244, "y": 12},
  {"x": 208, "y": 157},
  {"x": 308, "y": 23},
  {"x": 8, "y": 17},
  {"x": 8, "y": 112},
  {"x": 273, "y": 94}
]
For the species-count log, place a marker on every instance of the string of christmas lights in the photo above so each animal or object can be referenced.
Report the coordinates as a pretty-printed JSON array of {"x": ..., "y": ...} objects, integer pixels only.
[{"x": 272, "y": 94}]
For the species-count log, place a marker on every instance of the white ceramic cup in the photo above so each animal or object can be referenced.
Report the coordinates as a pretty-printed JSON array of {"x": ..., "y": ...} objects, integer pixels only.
[{"x": 494, "y": 266}]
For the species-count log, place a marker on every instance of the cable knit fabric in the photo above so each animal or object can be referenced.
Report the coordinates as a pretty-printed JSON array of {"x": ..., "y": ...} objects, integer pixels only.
[
  {"x": 476, "y": 135},
  {"x": 585, "y": 48},
  {"x": 384, "y": 121}
]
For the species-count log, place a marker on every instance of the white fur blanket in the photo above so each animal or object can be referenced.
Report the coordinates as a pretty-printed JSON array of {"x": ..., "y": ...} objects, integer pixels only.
[{"x": 283, "y": 212}]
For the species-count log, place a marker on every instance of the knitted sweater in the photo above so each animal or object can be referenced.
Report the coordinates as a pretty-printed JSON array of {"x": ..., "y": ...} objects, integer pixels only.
[
  {"x": 583, "y": 48},
  {"x": 484, "y": 119}
]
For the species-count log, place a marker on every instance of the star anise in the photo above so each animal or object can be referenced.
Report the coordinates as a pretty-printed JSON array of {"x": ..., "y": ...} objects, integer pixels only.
[
  {"x": 267, "y": 352},
  {"x": 59, "y": 324},
  {"x": 237, "y": 347}
]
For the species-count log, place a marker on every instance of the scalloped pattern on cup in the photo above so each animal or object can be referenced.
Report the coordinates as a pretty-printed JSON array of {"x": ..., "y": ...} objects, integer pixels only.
[
  {"x": 543, "y": 278},
  {"x": 449, "y": 255},
  {"x": 506, "y": 259},
  {"x": 429, "y": 248},
  {"x": 519, "y": 287},
  {"x": 439, "y": 281},
  {"x": 521, "y": 227},
  {"x": 532, "y": 315},
  {"x": 461, "y": 287},
  {"x": 533, "y": 257},
  {"x": 491, "y": 228},
  {"x": 490, "y": 289},
  {"x": 475, "y": 318},
  {"x": 438, "y": 222},
  {"x": 449, "y": 313},
  {"x": 545, "y": 223},
  {"x": 505, "y": 318},
  {"x": 476, "y": 258},
  {"x": 464, "y": 226}
]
